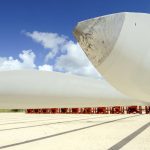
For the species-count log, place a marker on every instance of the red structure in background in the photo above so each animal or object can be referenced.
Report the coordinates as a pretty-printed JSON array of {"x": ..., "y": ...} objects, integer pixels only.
[
  {"x": 88, "y": 110},
  {"x": 134, "y": 109},
  {"x": 102, "y": 110},
  {"x": 76, "y": 110},
  {"x": 45, "y": 111},
  {"x": 30, "y": 111},
  {"x": 117, "y": 110},
  {"x": 54, "y": 110},
  {"x": 147, "y": 109},
  {"x": 38, "y": 111},
  {"x": 91, "y": 110},
  {"x": 64, "y": 110}
]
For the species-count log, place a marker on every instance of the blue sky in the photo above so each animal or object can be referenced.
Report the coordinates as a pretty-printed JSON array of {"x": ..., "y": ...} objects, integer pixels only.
[{"x": 18, "y": 17}]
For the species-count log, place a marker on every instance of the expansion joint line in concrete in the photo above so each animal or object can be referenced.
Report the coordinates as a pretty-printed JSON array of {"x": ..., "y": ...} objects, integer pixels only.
[
  {"x": 130, "y": 137},
  {"x": 62, "y": 133},
  {"x": 52, "y": 123}
]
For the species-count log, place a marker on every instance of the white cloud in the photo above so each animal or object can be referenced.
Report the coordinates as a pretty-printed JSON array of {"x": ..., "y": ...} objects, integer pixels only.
[
  {"x": 71, "y": 58},
  {"x": 25, "y": 61},
  {"x": 28, "y": 58},
  {"x": 75, "y": 62},
  {"x": 45, "y": 68},
  {"x": 52, "y": 41}
]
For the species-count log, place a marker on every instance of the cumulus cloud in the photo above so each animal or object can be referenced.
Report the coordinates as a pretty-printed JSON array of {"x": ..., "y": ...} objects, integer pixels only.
[
  {"x": 45, "y": 68},
  {"x": 71, "y": 58},
  {"x": 28, "y": 58},
  {"x": 25, "y": 61},
  {"x": 75, "y": 62},
  {"x": 66, "y": 55},
  {"x": 51, "y": 41}
]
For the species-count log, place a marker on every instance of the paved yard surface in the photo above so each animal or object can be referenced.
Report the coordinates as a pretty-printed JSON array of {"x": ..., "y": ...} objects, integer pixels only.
[{"x": 19, "y": 131}]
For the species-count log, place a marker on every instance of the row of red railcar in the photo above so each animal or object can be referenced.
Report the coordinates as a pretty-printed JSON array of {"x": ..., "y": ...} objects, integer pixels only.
[{"x": 91, "y": 110}]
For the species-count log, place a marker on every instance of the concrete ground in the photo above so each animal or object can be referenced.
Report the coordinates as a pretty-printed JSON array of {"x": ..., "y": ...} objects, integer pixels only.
[{"x": 19, "y": 131}]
